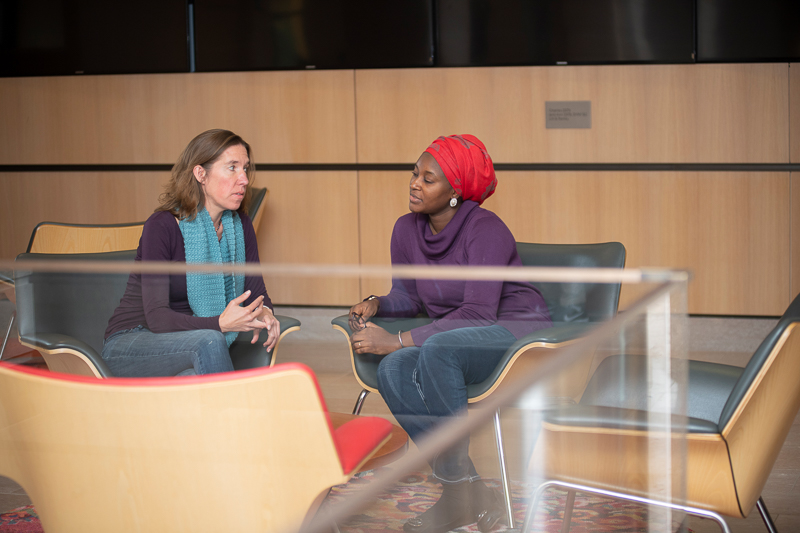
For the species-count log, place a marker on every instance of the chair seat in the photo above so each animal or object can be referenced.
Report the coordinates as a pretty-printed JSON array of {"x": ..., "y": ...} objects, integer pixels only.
[{"x": 616, "y": 396}]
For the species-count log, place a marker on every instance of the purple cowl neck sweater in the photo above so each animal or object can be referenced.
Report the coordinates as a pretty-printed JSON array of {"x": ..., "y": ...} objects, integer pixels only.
[{"x": 474, "y": 237}]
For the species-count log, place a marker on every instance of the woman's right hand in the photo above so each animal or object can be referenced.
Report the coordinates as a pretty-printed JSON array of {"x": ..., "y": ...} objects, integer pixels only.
[
  {"x": 361, "y": 312},
  {"x": 237, "y": 318}
]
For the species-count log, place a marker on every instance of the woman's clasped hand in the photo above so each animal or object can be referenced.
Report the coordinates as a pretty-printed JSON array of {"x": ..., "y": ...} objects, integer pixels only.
[
  {"x": 253, "y": 317},
  {"x": 367, "y": 337}
]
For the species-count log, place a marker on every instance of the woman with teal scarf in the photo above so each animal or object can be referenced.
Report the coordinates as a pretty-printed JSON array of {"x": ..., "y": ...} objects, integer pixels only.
[{"x": 186, "y": 324}]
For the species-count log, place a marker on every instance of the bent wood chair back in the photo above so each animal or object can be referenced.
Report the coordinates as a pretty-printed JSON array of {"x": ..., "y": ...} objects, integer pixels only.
[
  {"x": 738, "y": 419},
  {"x": 239, "y": 451},
  {"x": 60, "y": 238},
  {"x": 574, "y": 309},
  {"x": 64, "y": 315},
  {"x": 257, "y": 207}
]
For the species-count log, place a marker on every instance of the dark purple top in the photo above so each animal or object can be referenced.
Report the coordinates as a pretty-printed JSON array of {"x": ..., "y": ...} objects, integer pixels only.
[
  {"x": 474, "y": 237},
  {"x": 160, "y": 302}
]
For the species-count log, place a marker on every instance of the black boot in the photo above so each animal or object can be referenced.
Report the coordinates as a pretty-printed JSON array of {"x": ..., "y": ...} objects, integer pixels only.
[
  {"x": 451, "y": 511},
  {"x": 487, "y": 504}
]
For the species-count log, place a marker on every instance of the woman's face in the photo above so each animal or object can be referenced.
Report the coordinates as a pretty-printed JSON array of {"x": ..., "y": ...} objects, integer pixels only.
[
  {"x": 430, "y": 192},
  {"x": 225, "y": 183}
]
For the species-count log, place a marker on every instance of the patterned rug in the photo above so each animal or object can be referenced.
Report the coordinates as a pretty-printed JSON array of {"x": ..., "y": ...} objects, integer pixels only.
[
  {"x": 20, "y": 520},
  {"x": 417, "y": 492}
]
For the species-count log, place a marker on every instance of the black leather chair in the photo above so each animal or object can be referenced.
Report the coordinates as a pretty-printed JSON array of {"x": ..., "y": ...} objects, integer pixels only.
[
  {"x": 574, "y": 308},
  {"x": 736, "y": 422},
  {"x": 257, "y": 206},
  {"x": 64, "y": 315}
]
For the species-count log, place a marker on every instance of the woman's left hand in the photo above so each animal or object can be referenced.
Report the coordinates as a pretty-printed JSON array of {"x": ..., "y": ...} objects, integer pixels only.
[
  {"x": 272, "y": 326},
  {"x": 374, "y": 339}
]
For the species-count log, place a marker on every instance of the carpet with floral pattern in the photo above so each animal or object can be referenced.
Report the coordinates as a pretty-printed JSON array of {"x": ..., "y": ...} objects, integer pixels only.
[{"x": 415, "y": 493}]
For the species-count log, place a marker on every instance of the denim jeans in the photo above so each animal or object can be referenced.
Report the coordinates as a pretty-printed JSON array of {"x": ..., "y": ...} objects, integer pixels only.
[
  {"x": 424, "y": 385},
  {"x": 139, "y": 352}
]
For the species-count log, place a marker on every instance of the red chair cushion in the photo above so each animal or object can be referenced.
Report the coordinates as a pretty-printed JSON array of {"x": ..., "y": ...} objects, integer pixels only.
[{"x": 357, "y": 438}]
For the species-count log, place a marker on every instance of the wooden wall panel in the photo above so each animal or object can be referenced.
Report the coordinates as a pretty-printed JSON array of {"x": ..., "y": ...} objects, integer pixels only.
[
  {"x": 383, "y": 198},
  {"x": 310, "y": 218},
  {"x": 640, "y": 114},
  {"x": 795, "y": 230},
  {"x": 76, "y": 197},
  {"x": 730, "y": 229},
  {"x": 794, "y": 110},
  {"x": 287, "y": 117}
]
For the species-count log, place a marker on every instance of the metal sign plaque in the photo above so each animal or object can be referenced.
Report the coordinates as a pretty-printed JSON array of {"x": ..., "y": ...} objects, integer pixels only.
[{"x": 568, "y": 114}]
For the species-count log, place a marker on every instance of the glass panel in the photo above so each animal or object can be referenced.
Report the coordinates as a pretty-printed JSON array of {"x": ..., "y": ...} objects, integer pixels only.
[{"x": 583, "y": 405}]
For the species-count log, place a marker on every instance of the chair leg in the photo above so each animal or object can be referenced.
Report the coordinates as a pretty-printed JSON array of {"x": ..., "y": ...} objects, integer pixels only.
[
  {"x": 498, "y": 433},
  {"x": 530, "y": 513},
  {"x": 8, "y": 332},
  {"x": 762, "y": 509},
  {"x": 360, "y": 401},
  {"x": 568, "y": 506},
  {"x": 563, "y": 485}
]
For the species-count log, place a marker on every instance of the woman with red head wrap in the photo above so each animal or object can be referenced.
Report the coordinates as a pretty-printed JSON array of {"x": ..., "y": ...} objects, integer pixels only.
[{"x": 425, "y": 373}]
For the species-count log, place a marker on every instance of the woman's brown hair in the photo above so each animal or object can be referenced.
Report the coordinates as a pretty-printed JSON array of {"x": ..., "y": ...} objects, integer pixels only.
[{"x": 183, "y": 195}]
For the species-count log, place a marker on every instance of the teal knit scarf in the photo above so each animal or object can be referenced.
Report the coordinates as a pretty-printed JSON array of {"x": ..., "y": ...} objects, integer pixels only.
[{"x": 210, "y": 292}]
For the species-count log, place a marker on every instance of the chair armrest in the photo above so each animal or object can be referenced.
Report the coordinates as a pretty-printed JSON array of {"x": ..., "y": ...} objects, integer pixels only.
[
  {"x": 392, "y": 325},
  {"x": 7, "y": 277},
  {"x": 558, "y": 333},
  {"x": 288, "y": 324},
  {"x": 56, "y": 342},
  {"x": 358, "y": 439},
  {"x": 365, "y": 366},
  {"x": 548, "y": 337}
]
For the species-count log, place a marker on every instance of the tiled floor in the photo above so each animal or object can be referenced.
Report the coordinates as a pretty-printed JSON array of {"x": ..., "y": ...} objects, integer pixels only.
[{"x": 724, "y": 340}]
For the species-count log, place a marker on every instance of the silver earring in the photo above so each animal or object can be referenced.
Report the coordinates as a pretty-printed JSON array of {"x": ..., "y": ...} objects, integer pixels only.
[{"x": 453, "y": 202}]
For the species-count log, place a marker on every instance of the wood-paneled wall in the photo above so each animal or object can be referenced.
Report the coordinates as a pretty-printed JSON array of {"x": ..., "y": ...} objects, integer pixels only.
[
  {"x": 311, "y": 218},
  {"x": 720, "y": 216},
  {"x": 80, "y": 198},
  {"x": 794, "y": 109},
  {"x": 795, "y": 208},
  {"x": 287, "y": 117},
  {"x": 640, "y": 114},
  {"x": 739, "y": 232},
  {"x": 794, "y": 149}
]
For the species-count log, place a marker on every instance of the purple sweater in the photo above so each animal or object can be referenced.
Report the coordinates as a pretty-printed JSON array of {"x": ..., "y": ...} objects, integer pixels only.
[
  {"x": 475, "y": 237},
  {"x": 160, "y": 302}
]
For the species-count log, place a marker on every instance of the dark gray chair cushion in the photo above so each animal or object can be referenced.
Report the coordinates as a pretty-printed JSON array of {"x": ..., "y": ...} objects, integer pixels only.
[
  {"x": 616, "y": 396},
  {"x": 69, "y": 309}
]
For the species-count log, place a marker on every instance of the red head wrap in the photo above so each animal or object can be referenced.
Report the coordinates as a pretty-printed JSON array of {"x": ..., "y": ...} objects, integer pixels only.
[{"x": 466, "y": 165}]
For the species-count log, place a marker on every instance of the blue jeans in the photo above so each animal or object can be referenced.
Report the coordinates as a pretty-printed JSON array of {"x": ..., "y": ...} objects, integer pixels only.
[
  {"x": 139, "y": 352},
  {"x": 424, "y": 385}
]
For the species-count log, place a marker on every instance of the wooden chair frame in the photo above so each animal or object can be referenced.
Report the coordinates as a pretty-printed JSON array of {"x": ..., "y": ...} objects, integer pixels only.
[
  {"x": 175, "y": 454},
  {"x": 726, "y": 469}
]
